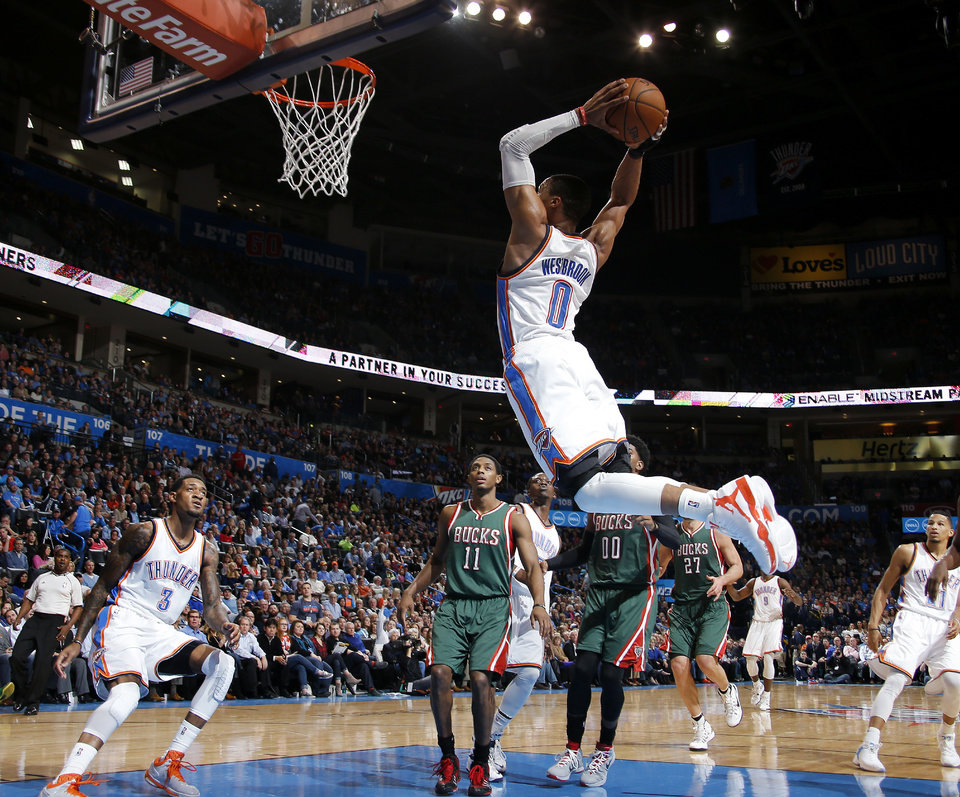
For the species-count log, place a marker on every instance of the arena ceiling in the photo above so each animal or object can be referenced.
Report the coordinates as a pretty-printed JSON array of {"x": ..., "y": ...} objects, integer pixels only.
[{"x": 873, "y": 80}]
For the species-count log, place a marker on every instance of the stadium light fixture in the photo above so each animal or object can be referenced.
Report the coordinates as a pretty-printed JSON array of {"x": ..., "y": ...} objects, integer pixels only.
[
  {"x": 645, "y": 40},
  {"x": 127, "y": 181},
  {"x": 473, "y": 8},
  {"x": 77, "y": 144},
  {"x": 722, "y": 36},
  {"x": 499, "y": 14},
  {"x": 524, "y": 17},
  {"x": 123, "y": 165},
  {"x": 670, "y": 27}
]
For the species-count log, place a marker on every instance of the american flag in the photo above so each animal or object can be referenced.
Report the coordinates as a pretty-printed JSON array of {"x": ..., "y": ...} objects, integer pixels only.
[
  {"x": 136, "y": 76},
  {"x": 673, "y": 180}
]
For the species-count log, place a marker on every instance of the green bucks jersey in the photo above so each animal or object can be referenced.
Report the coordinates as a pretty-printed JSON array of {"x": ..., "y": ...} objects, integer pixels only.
[
  {"x": 697, "y": 557},
  {"x": 480, "y": 551},
  {"x": 623, "y": 553}
]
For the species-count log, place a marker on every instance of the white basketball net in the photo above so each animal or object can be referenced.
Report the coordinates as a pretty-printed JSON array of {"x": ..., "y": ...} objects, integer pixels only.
[{"x": 320, "y": 124}]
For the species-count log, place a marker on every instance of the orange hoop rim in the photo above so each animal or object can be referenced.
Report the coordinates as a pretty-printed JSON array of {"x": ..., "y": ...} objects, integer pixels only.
[{"x": 347, "y": 63}]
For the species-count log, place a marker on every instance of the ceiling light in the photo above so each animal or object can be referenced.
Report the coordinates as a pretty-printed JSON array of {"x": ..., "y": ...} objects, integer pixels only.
[
  {"x": 29, "y": 123},
  {"x": 722, "y": 35},
  {"x": 669, "y": 27},
  {"x": 499, "y": 14},
  {"x": 77, "y": 144},
  {"x": 645, "y": 40},
  {"x": 473, "y": 9},
  {"x": 127, "y": 181},
  {"x": 123, "y": 165},
  {"x": 524, "y": 17}
]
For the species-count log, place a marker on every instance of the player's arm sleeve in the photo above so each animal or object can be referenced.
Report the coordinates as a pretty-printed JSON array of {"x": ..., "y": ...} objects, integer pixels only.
[
  {"x": 516, "y": 146},
  {"x": 572, "y": 556},
  {"x": 667, "y": 531}
]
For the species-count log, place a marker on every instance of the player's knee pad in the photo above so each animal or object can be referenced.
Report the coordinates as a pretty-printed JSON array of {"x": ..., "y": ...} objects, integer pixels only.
[
  {"x": 753, "y": 668},
  {"x": 611, "y": 676},
  {"x": 585, "y": 665},
  {"x": 218, "y": 668},
  {"x": 769, "y": 671},
  {"x": 892, "y": 687},
  {"x": 950, "y": 705},
  {"x": 120, "y": 703},
  {"x": 518, "y": 690}
]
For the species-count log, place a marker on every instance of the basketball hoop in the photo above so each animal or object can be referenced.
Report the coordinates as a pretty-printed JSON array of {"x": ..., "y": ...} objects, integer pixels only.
[{"x": 318, "y": 128}]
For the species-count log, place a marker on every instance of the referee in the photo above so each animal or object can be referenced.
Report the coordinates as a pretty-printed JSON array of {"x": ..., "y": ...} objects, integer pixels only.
[{"x": 58, "y": 602}]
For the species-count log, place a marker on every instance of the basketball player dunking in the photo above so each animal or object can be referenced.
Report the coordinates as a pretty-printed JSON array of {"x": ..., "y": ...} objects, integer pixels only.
[
  {"x": 526, "y": 644},
  {"x": 568, "y": 415},
  {"x": 765, "y": 635},
  {"x": 145, "y": 586}
]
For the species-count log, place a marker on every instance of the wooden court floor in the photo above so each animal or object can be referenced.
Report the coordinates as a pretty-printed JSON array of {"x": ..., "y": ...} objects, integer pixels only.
[{"x": 804, "y": 746}]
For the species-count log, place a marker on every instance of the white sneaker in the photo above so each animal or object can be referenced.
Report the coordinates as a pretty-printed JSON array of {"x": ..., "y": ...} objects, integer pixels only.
[
  {"x": 764, "y": 704},
  {"x": 741, "y": 514},
  {"x": 596, "y": 772},
  {"x": 948, "y": 750},
  {"x": 569, "y": 762},
  {"x": 164, "y": 773},
  {"x": 867, "y": 758},
  {"x": 731, "y": 705},
  {"x": 306, "y": 692},
  {"x": 498, "y": 761},
  {"x": 757, "y": 693},
  {"x": 702, "y": 734}
]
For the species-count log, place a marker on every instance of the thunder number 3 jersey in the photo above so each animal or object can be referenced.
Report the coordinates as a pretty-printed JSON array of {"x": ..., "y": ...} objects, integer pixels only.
[
  {"x": 544, "y": 296},
  {"x": 621, "y": 555},
  {"x": 161, "y": 581},
  {"x": 913, "y": 596},
  {"x": 480, "y": 551},
  {"x": 697, "y": 557}
]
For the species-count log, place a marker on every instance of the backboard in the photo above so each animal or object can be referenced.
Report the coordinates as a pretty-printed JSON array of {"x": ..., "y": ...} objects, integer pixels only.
[{"x": 131, "y": 84}]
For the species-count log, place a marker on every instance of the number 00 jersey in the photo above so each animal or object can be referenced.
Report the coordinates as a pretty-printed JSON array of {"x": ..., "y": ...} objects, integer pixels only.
[
  {"x": 623, "y": 553},
  {"x": 159, "y": 584},
  {"x": 913, "y": 583},
  {"x": 544, "y": 296},
  {"x": 480, "y": 551}
]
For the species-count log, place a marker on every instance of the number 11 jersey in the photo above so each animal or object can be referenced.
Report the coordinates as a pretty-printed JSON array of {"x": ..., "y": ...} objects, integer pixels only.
[{"x": 480, "y": 551}]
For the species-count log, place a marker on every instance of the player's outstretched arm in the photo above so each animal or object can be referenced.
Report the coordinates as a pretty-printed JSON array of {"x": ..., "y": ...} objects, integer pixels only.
[
  {"x": 435, "y": 565},
  {"x": 214, "y": 612},
  {"x": 743, "y": 592},
  {"x": 573, "y": 557},
  {"x": 899, "y": 564},
  {"x": 133, "y": 544}
]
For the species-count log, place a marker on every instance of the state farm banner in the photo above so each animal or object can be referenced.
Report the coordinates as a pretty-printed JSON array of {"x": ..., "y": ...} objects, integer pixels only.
[
  {"x": 789, "y": 268},
  {"x": 215, "y": 37},
  {"x": 888, "y": 449},
  {"x": 900, "y": 261},
  {"x": 262, "y": 242}
]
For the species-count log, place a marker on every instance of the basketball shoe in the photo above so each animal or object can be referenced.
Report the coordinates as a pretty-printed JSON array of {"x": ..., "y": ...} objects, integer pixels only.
[
  {"x": 164, "y": 773},
  {"x": 866, "y": 757},
  {"x": 757, "y": 693},
  {"x": 764, "y": 704},
  {"x": 448, "y": 774},
  {"x": 596, "y": 772},
  {"x": 702, "y": 734},
  {"x": 948, "y": 750},
  {"x": 732, "y": 710},
  {"x": 479, "y": 780},
  {"x": 498, "y": 761},
  {"x": 569, "y": 762},
  {"x": 68, "y": 784},
  {"x": 745, "y": 509}
]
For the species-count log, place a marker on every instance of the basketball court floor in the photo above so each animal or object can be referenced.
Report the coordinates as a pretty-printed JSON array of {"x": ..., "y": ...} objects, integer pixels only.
[{"x": 387, "y": 746}]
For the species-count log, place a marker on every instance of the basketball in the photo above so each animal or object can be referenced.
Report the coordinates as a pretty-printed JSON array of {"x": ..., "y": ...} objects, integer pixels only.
[{"x": 638, "y": 118}]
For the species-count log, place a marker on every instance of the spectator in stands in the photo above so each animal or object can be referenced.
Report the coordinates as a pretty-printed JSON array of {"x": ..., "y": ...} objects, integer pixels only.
[
  {"x": 306, "y": 608},
  {"x": 252, "y": 672},
  {"x": 16, "y": 560}
]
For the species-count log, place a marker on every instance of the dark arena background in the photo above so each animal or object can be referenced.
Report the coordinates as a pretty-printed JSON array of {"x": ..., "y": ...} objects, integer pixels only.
[{"x": 781, "y": 301}]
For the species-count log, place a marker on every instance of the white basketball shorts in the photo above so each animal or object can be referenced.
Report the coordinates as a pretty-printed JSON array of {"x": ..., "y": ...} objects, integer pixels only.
[
  {"x": 764, "y": 636},
  {"x": 564, "y": 407},
  {"x": 526, "y": 644},
  {"x": 917, "y": 639},
  {"x": 128, "y": 643}
]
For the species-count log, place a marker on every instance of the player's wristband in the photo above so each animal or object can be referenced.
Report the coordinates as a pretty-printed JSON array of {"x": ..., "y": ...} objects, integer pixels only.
[
  {"x": 642, "y": 149},
  {"x": 581, "y": 115},
  {"x": 540, "y": 605}
]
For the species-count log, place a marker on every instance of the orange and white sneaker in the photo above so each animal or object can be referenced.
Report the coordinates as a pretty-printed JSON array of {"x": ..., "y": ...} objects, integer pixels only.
[
  {"x": 164, "y": 773},
  {"x": 745, "y": 509},
  {"x": 69, "y": 784}
]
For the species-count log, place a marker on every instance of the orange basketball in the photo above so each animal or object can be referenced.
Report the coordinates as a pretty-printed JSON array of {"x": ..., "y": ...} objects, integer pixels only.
[{"x": 638, "y": 118}]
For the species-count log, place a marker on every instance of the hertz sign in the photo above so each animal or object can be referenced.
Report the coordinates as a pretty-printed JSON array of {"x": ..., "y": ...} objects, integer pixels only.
[{"x": 215, "y": 37}]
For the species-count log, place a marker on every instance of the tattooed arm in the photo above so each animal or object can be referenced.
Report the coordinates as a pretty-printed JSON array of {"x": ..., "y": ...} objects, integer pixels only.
[{"x": 214, "y": 612}]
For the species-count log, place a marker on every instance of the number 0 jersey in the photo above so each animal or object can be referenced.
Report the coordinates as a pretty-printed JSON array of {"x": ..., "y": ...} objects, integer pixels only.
[
  {"x": 913, "y": 583},
  {"x": 623, "y": 554},
  {"x": 544, "y": 296},
  {"x": 480, "y": 551},
  {"x": 159, "y": 584},
  {"x": 697, "y": 557}
]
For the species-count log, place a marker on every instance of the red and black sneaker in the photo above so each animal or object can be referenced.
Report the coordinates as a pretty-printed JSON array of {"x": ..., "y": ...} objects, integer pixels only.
[
  {"x": 479, "y": 780},
  {"x": 448, "y": 775}
]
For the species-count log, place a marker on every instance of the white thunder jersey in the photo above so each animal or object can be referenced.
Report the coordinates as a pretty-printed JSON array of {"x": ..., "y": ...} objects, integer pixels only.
[
  {"x": 913, "y": 596},
  {"x": 159, "y": 584},
  {"x": 544, "y": 297},
  {"x": 767, "y": 600},
  {"x": 547, "y": 541}
]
